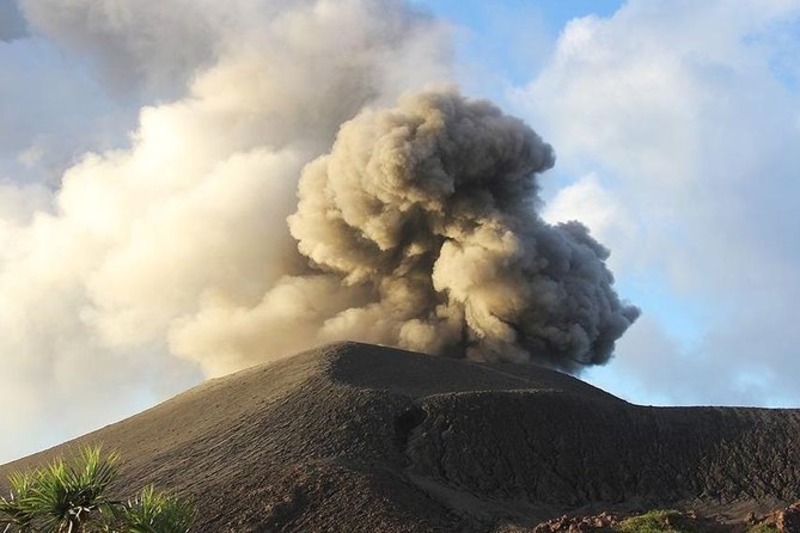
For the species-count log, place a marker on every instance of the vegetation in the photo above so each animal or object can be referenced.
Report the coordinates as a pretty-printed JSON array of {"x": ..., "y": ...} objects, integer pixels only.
[
  {"x": 71, "y": 498},
  {"x": 660, "y": 521},
  {"x": 157, "y": 512},
  {"x": 668, "y": 521},
  {"x": 763, "y": 528}
]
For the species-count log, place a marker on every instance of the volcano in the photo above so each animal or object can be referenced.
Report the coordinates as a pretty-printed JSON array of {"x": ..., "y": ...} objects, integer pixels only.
[{"x": 358, "y": 437}]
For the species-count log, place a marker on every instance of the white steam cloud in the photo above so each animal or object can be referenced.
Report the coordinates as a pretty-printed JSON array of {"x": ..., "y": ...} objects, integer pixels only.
[{"x": 416, "y": 226}]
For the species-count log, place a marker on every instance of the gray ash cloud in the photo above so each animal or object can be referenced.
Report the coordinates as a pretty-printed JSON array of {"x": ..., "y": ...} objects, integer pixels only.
[{"x": 430, "y": 209}]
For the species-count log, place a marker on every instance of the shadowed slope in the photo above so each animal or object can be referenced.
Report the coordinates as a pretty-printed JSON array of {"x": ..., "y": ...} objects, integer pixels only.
[{"x": 354, "y": 437}]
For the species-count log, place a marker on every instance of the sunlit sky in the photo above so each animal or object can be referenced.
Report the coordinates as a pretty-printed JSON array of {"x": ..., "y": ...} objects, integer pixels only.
[{"x": 676, "y": 125}]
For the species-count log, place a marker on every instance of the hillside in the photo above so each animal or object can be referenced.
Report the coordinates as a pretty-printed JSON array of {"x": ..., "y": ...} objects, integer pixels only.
[{"x": 355, "y": 437}]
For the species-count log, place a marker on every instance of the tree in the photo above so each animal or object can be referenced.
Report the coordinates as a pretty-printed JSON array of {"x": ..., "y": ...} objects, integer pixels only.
[{"x": 71, "y": 498}]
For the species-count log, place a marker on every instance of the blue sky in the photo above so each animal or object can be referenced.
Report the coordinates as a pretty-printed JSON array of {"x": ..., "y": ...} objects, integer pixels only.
[
  {"x": 675, "y": 124},
  {"x": 503, "y": 42}
]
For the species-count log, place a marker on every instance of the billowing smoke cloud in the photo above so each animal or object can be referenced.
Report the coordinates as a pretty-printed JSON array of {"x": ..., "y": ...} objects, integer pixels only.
[
  {"x": 416, "y": 226},
  {"x": 432, "y": 207}
]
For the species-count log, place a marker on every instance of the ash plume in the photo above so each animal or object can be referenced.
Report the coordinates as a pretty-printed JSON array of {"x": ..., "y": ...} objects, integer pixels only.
[{"x": 431, "y": 209}]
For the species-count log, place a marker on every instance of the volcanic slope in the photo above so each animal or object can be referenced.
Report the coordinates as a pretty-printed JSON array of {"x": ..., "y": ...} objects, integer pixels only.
[{"x": 356, "y": 437}]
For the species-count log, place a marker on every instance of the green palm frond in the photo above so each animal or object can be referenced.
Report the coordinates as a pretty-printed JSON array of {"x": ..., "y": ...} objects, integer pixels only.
[
  {"x": 98, "y": 472},
  {"x": 15, "y": 510},
  {"x": 13, "y": 513}
]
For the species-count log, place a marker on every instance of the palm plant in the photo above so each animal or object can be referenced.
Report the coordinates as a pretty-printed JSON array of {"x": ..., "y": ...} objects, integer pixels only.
[
  {"x": 70, "y": 498},
  {"x": 67, "y": 496},
  {"x": 61, "y": 497}
]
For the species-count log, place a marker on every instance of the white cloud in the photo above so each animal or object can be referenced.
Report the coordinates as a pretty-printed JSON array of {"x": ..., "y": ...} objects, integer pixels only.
[
  {"x": 600, "y": 209},
  {"x": 678, "y": 106}
]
